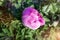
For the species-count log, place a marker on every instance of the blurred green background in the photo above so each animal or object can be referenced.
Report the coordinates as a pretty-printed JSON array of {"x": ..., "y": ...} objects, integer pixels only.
[{"x": 11, "y": 27}]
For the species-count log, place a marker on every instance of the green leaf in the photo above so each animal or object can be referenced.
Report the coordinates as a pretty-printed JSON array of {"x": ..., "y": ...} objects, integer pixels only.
[
  {"x": 46, "y": 9},
  {"x": 53, "y": 8},
  {"x": 17, "y": 5},
  {"x": 45, "y": 27},
  {"x": 2, "y": 34},
  {"x": 17, "y": 36},
  {"x": 1, "y": 3},
  {"x": 46, "y": 19},
  {"x": 15, "y": 23},
  {"x": 50, "y": 8},
  {"x": 11, "y": 30},
  {"x": 5, "y": 30}
]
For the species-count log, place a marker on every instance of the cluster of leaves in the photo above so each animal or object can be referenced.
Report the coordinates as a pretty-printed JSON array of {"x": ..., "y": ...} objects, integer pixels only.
[
  {"x": 16, "y": 31},
  {"x": 11, "y": 27}
]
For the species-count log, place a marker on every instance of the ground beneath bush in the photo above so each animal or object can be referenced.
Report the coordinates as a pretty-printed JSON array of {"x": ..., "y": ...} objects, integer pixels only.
[{"x": 50, "y": 34}]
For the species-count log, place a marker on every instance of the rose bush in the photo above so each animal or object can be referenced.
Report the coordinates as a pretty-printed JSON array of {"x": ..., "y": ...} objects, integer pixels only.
[{"x": 21, "y": 17}]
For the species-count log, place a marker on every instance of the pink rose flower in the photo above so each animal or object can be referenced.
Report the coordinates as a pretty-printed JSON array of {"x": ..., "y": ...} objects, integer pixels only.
[{"x": 32, "y": 19}]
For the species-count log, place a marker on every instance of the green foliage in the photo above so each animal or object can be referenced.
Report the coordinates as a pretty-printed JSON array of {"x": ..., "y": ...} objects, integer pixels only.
[
  {"x": 18, "y": 30},
  {"x": 15, "y": 30},
  {"x": 50, "y": 8},
  {"x": 17, "y": 4},
  {"x": 1, "y": 1}
]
